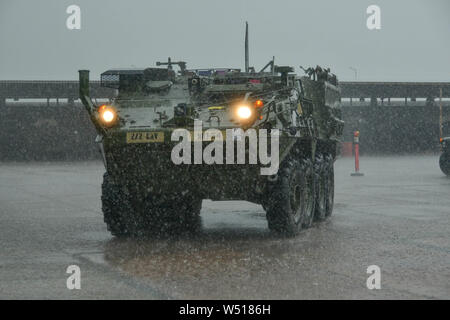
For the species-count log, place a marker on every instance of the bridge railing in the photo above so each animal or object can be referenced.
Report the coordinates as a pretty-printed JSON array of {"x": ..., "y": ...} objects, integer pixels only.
[{"x": 18, "y": 89}]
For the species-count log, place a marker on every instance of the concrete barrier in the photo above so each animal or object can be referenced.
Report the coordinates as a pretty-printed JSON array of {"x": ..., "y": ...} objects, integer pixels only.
[
  {"x": 37, "y": 131},
  {"x": 41, "y": 132}
]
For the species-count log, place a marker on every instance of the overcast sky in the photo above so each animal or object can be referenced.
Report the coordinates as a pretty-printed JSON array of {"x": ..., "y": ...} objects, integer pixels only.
[{"x": 412, "y": 45}]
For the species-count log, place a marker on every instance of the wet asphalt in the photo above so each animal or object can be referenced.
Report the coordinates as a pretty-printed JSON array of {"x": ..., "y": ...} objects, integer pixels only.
[{"x": 397, "y": 216}]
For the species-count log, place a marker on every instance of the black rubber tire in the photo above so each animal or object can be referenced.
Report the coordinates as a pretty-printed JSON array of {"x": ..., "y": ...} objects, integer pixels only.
[
  {"x": 127, "y": 215},
  {"x": 114, "y": 203},
  {"x": 329, "y": 185},
  {"x": 444, "y": 163},
  {"x": 308, "y": 170},
  {"x": 287, "y": 213},
  {"x": 177, "y": 216},
  {"x": 320, "y": 171}
]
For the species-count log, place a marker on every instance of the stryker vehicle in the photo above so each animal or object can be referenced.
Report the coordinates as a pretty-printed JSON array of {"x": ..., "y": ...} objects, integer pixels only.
[
  {"x": 145, "y": 191},
  {"x": 444, "y": 159}
]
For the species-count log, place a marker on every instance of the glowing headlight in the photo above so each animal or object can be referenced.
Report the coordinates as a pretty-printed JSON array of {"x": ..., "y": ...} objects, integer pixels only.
[
  {"x": 244, "y": 112},
  {"x": 107, "y": 115}
]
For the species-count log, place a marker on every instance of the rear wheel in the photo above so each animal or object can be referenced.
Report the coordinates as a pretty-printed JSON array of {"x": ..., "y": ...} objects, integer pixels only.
[
  {"x": 308, "y": 198},
  {"x": 330, "y": 186},
  {"x": 444, "y": 163},
  {"x": 291, "y": 204},
  {"x": 320, "y": 189},
  {"x": 325, "y": 187}
]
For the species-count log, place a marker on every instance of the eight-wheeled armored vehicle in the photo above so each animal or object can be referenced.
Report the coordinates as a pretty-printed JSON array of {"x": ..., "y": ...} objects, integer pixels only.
[{"x": 171, "y": 139}]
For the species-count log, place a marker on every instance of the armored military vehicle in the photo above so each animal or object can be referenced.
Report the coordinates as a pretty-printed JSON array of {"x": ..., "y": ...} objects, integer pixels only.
[
  {"x": 269, "y": 137},
  {"x": 444, "y": 159}
]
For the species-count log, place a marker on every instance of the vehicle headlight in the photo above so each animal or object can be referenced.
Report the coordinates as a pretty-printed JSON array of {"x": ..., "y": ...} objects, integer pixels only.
[
  {"x": 107, "y": 115},
  {"x": 244, "y": 112}
]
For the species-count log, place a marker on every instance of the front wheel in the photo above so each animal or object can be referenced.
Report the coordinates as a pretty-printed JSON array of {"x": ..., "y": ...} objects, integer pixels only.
[
  {"x": 320, "y": 172},
  {"x": 115, "y": 203},
  {"x": 291, "y": 201},
  {"x": 128, "y": 214}
]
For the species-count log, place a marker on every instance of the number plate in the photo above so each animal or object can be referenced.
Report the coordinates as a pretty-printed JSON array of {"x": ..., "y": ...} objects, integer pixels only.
[{"x": 144, "y": 137}]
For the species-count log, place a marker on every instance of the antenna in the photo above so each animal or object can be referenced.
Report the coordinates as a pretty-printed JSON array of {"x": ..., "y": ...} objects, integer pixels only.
[{"x": 246, "y": 46}]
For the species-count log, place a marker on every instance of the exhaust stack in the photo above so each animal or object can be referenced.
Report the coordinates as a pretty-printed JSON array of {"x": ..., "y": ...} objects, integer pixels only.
[
  {"x": 84, "y": 90},
  {"x": 84, "y": 83}
]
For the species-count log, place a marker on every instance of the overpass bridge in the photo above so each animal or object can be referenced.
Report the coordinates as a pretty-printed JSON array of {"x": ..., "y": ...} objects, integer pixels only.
[
  {"x": 39, "y": 89},
  {"x": 387, "y": 90},
  {"x": 353, "y": 91},
  {"x": 393, "y": 118}
]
